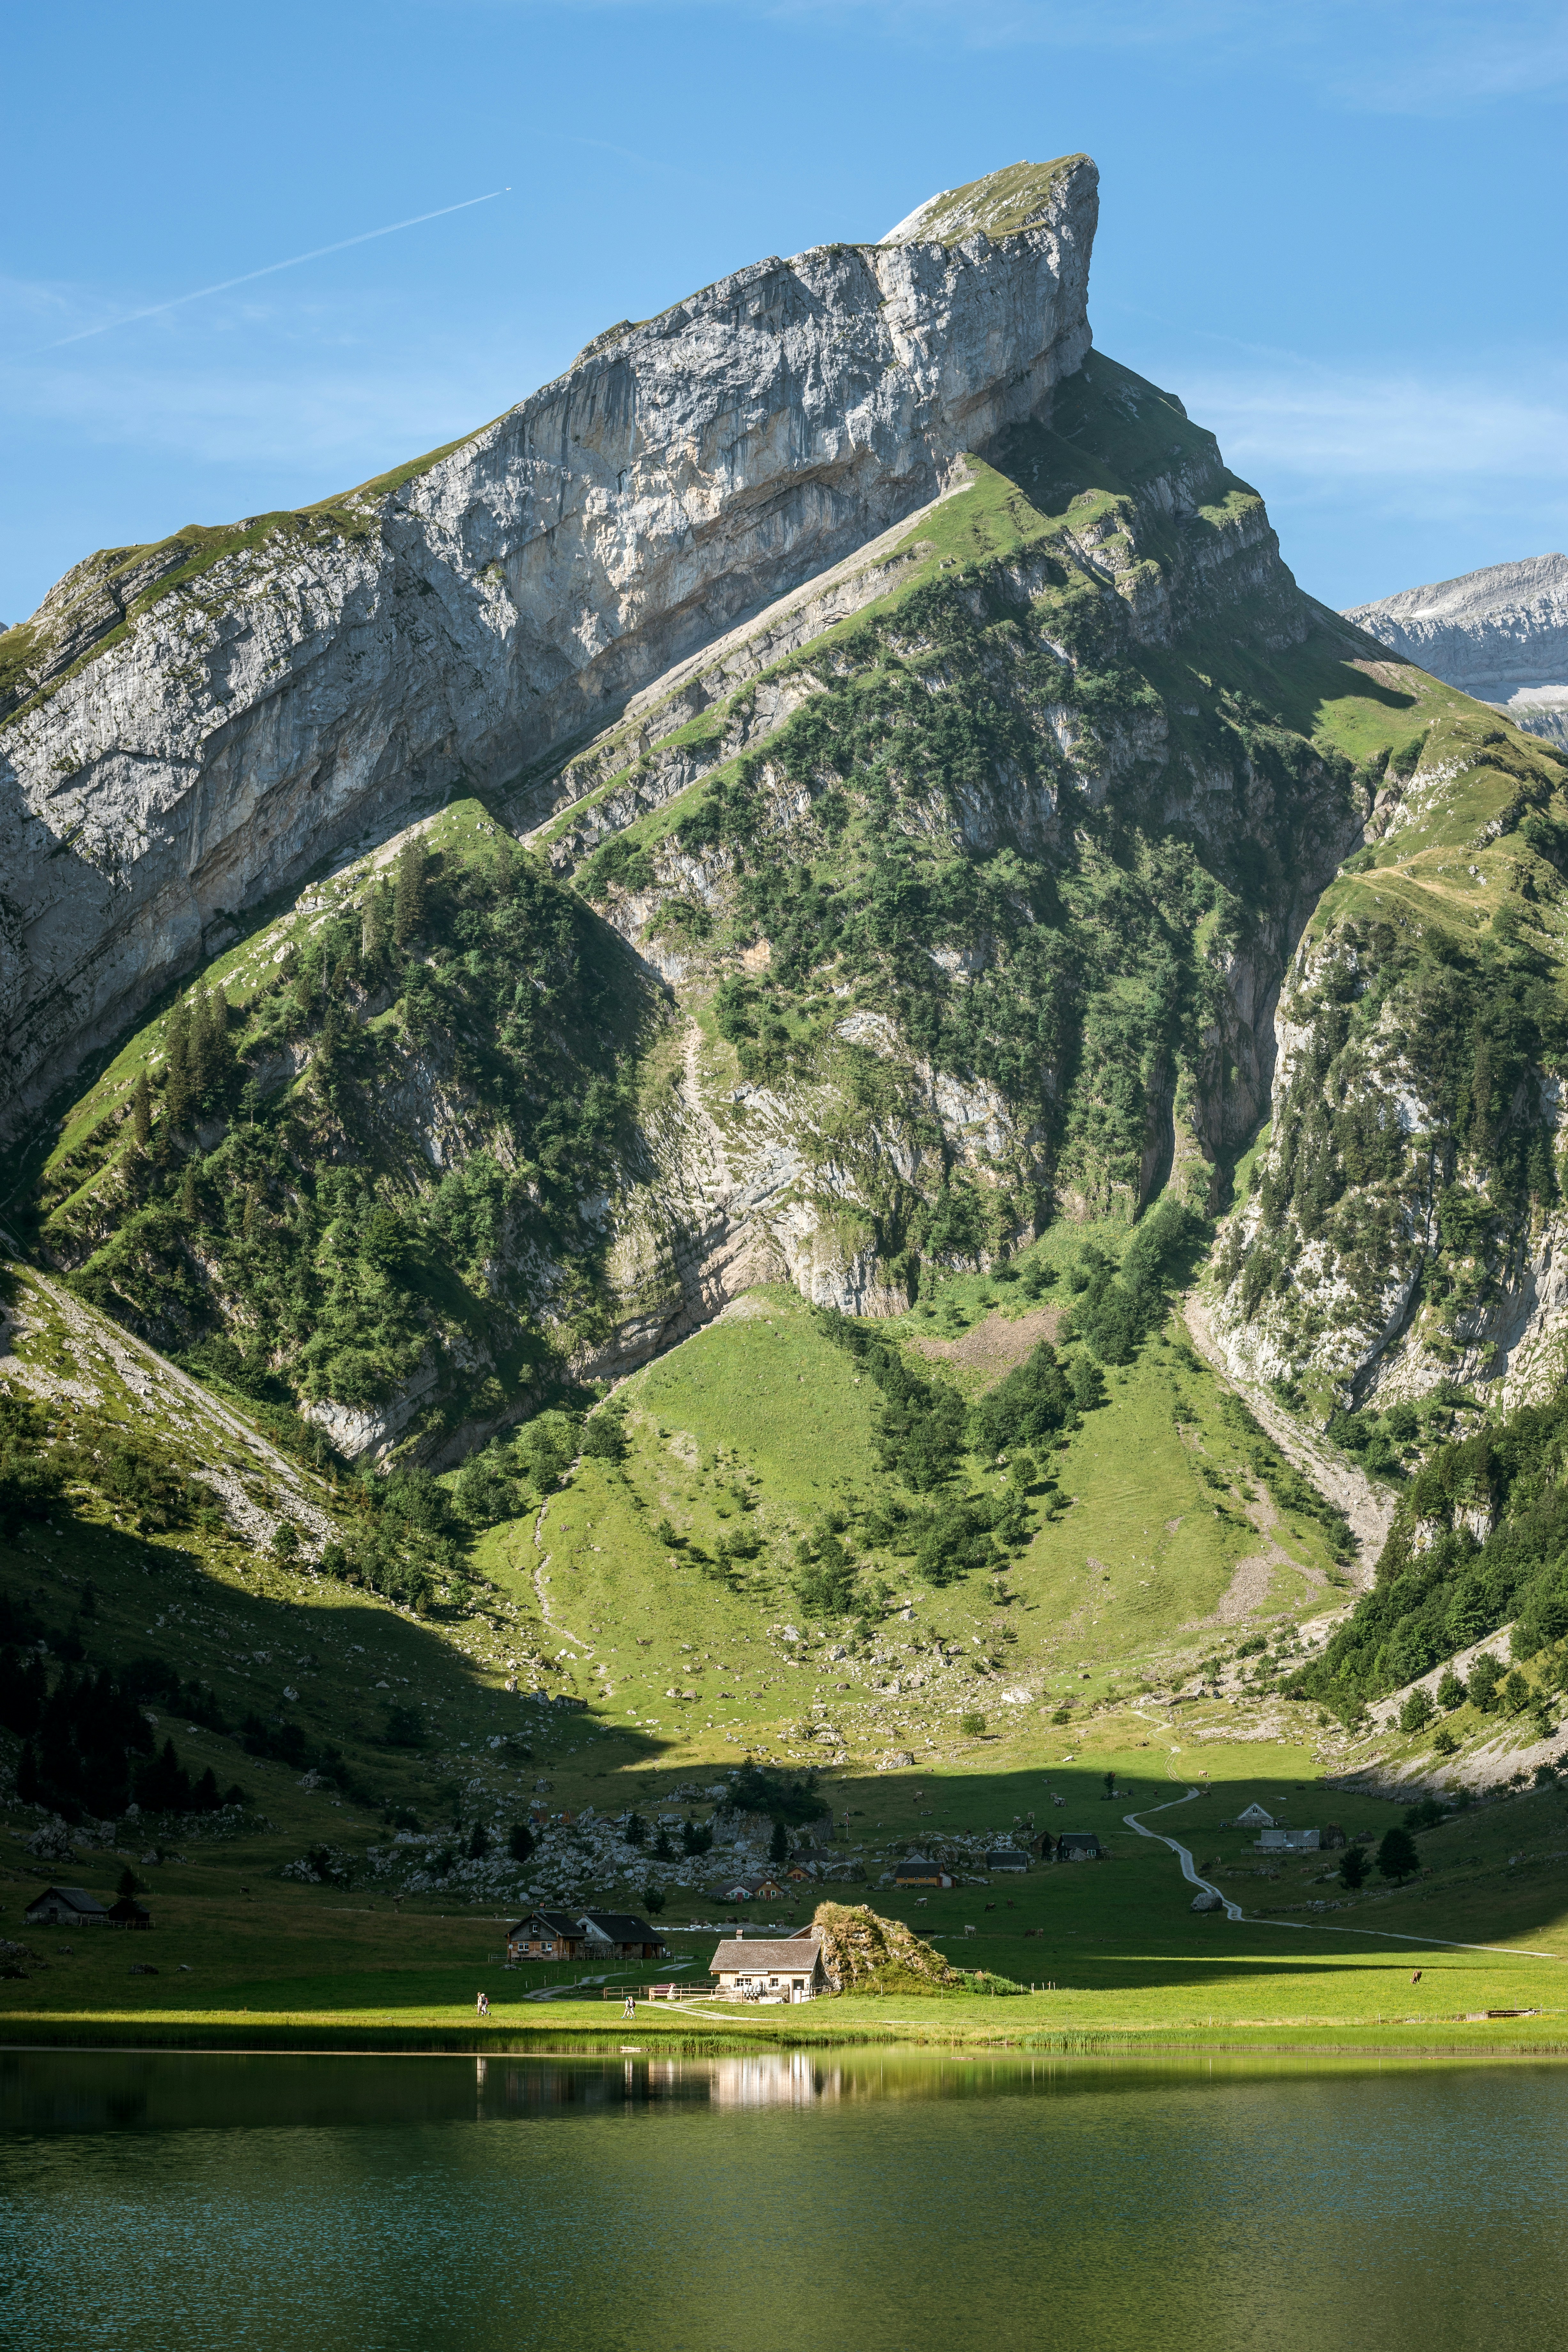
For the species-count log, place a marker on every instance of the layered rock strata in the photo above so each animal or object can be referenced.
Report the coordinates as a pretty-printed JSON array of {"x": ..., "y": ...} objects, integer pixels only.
[
  {"x": 185, "y": 728},
  {"x": 1501, "y": 634}
]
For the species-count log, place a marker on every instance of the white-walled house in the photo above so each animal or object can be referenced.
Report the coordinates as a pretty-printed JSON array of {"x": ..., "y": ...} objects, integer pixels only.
[{"x": 769, "y": 1967}]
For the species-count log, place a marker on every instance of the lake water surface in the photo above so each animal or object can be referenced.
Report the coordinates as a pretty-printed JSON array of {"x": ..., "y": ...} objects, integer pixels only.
[{"x": 861, "y": 2203}]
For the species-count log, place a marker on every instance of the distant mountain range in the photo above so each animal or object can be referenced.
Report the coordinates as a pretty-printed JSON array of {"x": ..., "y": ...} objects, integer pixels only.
[{"x": 1501, "y": 634}]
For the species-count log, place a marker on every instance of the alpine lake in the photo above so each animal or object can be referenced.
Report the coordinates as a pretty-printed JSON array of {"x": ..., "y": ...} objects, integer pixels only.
[{"x": 890, "y": 2202}]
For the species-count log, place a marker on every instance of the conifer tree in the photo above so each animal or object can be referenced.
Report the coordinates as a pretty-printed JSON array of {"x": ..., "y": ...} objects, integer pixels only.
[
  {"x": 188, "y": 1206},
  {"x": 209, "y": 1045},
  {"x": 1482, "y": 1141},
  {"x": 142, "y": 1112},
  {"x": 177, "y": 1089},
  {"x": 1396, "y": 1855},
  {"x": 373, "y": 927},
  {"x": 408, "y": 897}
]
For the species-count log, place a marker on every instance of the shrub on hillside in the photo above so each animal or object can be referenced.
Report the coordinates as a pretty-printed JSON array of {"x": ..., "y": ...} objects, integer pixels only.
[
  {"x": 483, "y": 1491},
  {"x": 759, "y": 1789},
  {"x": 1416, "y": 1712},
  {"x": 1396, "y": 1857}
]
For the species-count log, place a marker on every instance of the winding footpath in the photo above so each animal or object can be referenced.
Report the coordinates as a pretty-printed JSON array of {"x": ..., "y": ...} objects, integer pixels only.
[
  {"x": 1313, "y": 1926},
  {"x": 1189, "y": 1871}
]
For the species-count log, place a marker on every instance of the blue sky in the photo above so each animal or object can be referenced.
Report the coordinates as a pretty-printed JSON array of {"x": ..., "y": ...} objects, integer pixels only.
[{"x": 1335, "y": 229}]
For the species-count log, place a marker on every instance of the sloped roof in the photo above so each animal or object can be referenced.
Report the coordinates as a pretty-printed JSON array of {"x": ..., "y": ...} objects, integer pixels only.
[
  {"x": 558, "y": 1923},
  {"x": 623, "y": 1928},
  {"x": 79, "y": 1900},
  {"x": 764, "y": 1955}
]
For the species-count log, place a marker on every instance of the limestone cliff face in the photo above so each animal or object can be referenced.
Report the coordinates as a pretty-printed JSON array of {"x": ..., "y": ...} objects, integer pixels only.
[
  {"x": 185, "y": 728},
  {"x": 1403, "y": 1231}
]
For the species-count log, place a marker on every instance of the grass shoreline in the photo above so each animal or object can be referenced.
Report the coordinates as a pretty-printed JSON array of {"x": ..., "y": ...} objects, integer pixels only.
[{"x": 1474, "y": 2041}]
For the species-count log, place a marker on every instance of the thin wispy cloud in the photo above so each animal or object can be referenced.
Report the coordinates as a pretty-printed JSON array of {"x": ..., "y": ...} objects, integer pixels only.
[
  {"x": 1378, "y": 56},
  {"x": 1390, "y": 427},
  {"x": 268, "y": 270}
]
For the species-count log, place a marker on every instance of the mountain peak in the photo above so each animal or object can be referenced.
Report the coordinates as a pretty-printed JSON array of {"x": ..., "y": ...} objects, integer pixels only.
[{"x": 1004, "y": 203}]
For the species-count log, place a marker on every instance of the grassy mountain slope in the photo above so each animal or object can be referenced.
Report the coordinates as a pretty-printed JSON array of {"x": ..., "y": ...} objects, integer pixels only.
[
  {"x": 678, "y": 1584},
  {"x": 929, "y": 969},
  {"x": 983, "y": 925},
  {"x": 379, "y": 1747},
  {"x": 368, "y": 1189}
]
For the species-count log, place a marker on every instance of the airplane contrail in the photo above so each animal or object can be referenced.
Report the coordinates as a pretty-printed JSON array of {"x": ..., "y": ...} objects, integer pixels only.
[{"x": 154, "y": 310}]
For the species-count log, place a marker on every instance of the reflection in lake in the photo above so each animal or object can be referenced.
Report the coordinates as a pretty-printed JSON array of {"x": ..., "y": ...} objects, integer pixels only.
[{"x": 893, "y": 2199}]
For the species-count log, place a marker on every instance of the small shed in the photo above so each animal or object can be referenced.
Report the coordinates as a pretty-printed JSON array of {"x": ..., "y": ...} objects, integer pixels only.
[
  {"x": 1007, "y": 1857},
  {"x": 129, "y": 1913},
  {"x": 1079, "y": 1846},
  {"x": 66, "y": 1907},
  {"x": 917, "y": 1872},
  {"x": 769, "y": 1967},
  {"x": 1286, "y": 1842},
  {"x": 1254, "y": 1818}
]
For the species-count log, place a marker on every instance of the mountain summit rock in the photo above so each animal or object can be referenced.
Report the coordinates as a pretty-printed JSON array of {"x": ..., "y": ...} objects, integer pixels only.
[
  {"x": 187, "y": 727},
  {"x": 1500, "y": 633}
]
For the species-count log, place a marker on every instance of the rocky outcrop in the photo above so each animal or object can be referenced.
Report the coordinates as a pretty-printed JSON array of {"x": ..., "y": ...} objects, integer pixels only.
[
  {"x": 185, "y": 728},
  {"x": 1501, "y": 634},
  {"x": 1403, "y": 1231}
]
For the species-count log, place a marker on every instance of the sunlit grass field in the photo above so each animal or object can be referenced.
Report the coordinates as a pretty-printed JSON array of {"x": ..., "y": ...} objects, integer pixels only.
[{"x": 1128, "y": 1963}]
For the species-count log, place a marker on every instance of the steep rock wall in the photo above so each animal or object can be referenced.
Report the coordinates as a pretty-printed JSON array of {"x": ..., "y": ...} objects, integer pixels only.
[
  {"x": 1403, "y": 1231},
  {"x": 189, "y": 727}
]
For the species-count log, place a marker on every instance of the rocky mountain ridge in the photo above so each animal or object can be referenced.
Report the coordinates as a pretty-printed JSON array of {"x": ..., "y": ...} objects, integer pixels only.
[
  {"x": 947, "y": 892},
  {"x": 1501, "y": 634},
  {"x": 1400, "y": 1230},
  {"x": 190, "y": 726},
  {"x": 959, "y": 895}
]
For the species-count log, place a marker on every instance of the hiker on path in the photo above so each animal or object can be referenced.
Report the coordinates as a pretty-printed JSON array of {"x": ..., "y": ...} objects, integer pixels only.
[
  {"x": 631, "y": 2008},
  {"x": 483, "y": 2004}
]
